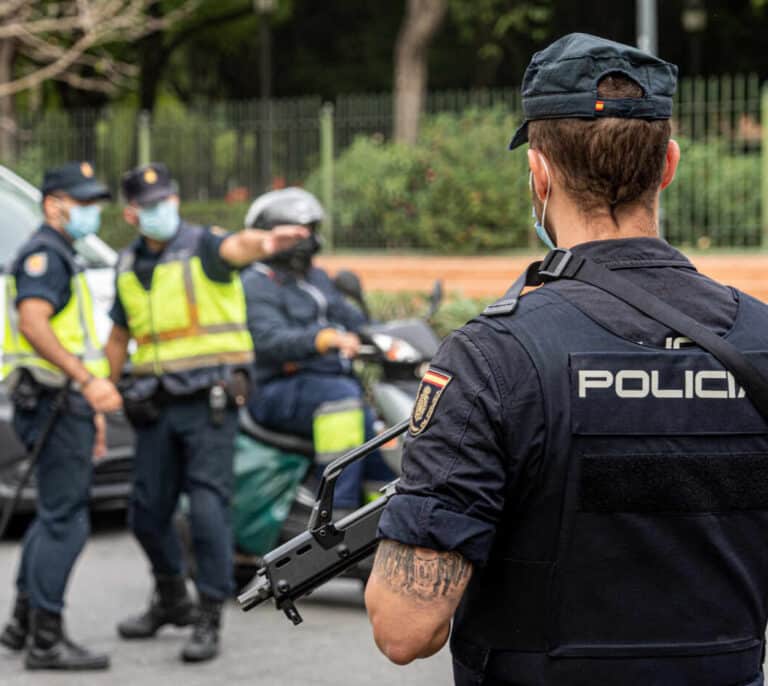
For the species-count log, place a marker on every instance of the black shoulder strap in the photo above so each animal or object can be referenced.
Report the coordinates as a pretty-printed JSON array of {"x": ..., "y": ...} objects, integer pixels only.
[{"x": 563, "y": 264}]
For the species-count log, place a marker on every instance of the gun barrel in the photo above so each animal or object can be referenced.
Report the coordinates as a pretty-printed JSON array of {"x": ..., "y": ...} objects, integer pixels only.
[{"x": 259, "y": 591}]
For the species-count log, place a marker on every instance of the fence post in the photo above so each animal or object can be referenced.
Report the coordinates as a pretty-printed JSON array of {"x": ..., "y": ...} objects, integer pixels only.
[
  {"x": 326, "y": 155},
  {"x": 144, "y": 137},
  {"x": 764, "y": 162}
]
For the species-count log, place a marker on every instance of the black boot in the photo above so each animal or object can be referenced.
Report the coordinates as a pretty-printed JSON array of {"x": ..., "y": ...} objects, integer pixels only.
[
  {"x": 50, "y": 648},
  {"x": 204, "y": 642},
  {"x": 14, "y": 634},
  {"x": 171, "y": 604}
]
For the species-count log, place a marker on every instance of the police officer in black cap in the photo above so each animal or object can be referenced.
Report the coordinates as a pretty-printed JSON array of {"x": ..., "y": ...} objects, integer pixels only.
[
  {"x": 180, "y": 299},
  {"x": 50, "y": 344},
  {"x": 584, "y": 489}
]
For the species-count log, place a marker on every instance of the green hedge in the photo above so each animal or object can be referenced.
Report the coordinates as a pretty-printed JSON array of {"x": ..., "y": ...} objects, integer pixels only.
[
  {"x": 715, "y": 198},
  {"x": 454, "y": 312},
  {"x": 459, "y": 190}
]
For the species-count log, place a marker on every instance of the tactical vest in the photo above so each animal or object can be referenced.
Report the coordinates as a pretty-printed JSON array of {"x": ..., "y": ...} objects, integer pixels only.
[
  {"x": 185, "y": 323},
  {"x": 73, "y": 325},
  {"x": 637, "y": 556}
]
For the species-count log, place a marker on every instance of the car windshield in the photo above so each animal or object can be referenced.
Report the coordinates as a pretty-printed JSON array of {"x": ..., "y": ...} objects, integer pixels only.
[{"x": 20, "y": 215}]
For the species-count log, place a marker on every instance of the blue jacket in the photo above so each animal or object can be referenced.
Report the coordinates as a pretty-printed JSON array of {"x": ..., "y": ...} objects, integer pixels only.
[{"x": 285, "y": 313}]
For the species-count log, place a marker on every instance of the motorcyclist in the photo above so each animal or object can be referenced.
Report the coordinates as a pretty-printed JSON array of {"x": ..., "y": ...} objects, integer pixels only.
[{"x": 305, "y": 336}]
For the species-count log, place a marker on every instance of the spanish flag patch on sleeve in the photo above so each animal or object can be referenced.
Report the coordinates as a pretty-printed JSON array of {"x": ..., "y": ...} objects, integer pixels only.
[{"x": 433, "y": 383}]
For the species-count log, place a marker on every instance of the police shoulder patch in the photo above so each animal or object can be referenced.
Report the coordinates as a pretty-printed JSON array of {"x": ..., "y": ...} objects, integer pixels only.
[
  {"x": 433, "y": 383},
  {"x": 36, "y": 264}
]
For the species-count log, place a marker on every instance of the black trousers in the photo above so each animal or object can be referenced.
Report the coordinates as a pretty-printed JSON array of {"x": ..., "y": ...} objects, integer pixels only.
[
  {"x": 55, "y": 539},
  {"x": 183, "y": 451}
]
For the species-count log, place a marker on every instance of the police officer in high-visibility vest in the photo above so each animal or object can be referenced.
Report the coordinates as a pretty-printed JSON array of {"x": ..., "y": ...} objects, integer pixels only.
[
  {"x": 179, "y": 298},
  {"x": 54, "y": 363},
  {"x": 584, "y": 498}
]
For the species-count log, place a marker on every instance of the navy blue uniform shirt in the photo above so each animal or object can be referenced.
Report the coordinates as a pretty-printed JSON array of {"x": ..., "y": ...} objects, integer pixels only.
[
  {"x": 216, "y": 268},
  {"x": 42, "y": 272},
  {"x": 483, "y": 446}
]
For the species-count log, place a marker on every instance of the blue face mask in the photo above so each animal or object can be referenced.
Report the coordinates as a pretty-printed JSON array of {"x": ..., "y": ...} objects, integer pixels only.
[
  {"x": 541, "y": 232},
  {"x": 160, "y": 221},
  {"x": 83, "y": 220}
]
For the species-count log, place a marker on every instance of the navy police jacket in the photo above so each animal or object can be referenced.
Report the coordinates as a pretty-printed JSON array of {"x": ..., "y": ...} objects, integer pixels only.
[
  {"x": 625, "y": 547},
  {"x": 285, "y": 313}
]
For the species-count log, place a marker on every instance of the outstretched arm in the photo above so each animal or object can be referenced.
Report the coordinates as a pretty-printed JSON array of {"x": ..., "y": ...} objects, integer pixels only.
[
  {"x": 250, "y": 245},
  {"x": 411, "y": 597}
]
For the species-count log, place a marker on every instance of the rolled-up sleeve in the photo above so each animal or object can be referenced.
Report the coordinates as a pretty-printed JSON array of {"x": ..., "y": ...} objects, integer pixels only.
[{"x": 458, "y": 468}]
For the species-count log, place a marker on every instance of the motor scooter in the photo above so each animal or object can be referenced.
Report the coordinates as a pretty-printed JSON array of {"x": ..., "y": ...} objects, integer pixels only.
[{"x": 393, "y": 357}]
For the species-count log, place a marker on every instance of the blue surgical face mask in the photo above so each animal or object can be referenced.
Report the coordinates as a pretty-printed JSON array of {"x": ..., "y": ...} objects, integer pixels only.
[
  {"x": 83, "y": 220},
  {"x": 159, "y": 221},
  {"x": 541, "y": 230}
]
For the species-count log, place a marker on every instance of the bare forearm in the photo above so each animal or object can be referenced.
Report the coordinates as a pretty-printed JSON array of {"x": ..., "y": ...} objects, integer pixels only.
[
  {"x": 244, "y": 247},
  {"x": 42, "y": 338},
  {"x": 411, "y": 597},
  {"x": 116, "y": 351},
  {"x": 249, "y": 245}
]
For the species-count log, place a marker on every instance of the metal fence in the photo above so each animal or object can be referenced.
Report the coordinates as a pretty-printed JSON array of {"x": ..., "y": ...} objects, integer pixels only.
[{"x": 232, "y": 151}]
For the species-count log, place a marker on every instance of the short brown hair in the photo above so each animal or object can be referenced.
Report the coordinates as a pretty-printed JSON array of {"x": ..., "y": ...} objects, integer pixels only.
[{"x": 606, "y": 163}]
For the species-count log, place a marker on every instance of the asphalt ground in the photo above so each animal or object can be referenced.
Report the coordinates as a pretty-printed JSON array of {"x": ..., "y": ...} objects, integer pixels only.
[{"x": 332, "y": 647}]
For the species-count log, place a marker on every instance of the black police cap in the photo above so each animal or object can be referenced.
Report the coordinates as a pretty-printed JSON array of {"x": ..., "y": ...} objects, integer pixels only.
[
  {"x": 561, "y": 82},
  {"x": 148, "y": 184},
  {"x": 77, "y": 180}
]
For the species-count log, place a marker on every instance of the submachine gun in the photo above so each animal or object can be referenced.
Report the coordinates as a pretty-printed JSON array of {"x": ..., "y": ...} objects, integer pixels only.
[{"x": 326, "y": 548}]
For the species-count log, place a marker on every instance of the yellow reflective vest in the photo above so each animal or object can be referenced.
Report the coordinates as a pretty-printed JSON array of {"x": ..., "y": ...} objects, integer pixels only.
[
  {"x": 185, "y": 321},
  {"x": 73, "y": 326}
]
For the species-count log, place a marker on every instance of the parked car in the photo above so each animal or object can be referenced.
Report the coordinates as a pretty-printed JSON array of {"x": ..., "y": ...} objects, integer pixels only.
[{"x": 20, "y": 215}]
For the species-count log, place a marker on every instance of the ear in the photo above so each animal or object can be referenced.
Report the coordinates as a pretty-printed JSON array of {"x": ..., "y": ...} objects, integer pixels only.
[
  {"x": 49, "y": 205},
  {"x": 130, "y": 215},
  {"x": 539, "y": 168},
  {"x": 671, "y": 161}
]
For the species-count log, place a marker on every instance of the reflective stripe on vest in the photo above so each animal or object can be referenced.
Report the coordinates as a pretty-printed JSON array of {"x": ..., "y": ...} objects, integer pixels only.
[
  {"x": 73, "y": 326},
  {"x": 185, "y": 320}
]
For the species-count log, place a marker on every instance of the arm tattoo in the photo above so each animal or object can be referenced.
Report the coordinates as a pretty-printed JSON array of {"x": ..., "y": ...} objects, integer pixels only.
[{"x": 424, "y": 574}]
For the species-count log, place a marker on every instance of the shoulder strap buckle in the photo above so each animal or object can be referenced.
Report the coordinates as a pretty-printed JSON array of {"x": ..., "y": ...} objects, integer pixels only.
[{"x": 554, "y": 264}]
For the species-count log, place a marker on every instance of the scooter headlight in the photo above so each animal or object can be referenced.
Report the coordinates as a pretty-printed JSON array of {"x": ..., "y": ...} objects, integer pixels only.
[{"x": 396, "y": 349}]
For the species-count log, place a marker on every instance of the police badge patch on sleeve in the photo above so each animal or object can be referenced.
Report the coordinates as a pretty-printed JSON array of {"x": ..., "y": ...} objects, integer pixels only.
[
  {"x": 433, "y": 383},
  {"x": 36, "y": 264}
]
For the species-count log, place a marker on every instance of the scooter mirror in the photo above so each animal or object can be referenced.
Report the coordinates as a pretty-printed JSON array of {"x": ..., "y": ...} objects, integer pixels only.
[
  {"x": 435, "y": 298},
  {"x": 349, "y": 284}
]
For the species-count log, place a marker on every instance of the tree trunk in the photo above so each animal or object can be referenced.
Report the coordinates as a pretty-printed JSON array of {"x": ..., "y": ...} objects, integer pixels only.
[
  {"x": 422, "y": 19},
  {"x": 8, "y": 125}
]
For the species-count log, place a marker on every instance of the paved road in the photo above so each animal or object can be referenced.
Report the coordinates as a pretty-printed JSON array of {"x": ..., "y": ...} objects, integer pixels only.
[{"x": 333, "y": 646}]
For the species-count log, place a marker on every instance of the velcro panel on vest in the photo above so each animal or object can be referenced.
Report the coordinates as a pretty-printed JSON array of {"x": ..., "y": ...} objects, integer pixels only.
[
  {"x": 337, "y": 427},
  {"x": 672, "y": 392},
  {"x": 674, "y": 483}
]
